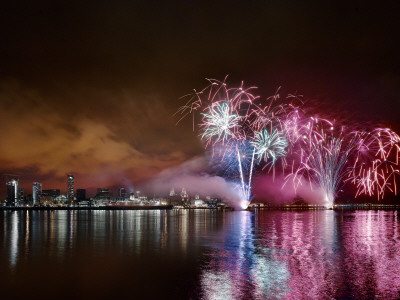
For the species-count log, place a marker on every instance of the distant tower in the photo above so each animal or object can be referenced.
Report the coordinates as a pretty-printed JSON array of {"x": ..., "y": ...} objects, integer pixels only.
[
  {"x": 70, "y": 189},
  {"x": 36, "y": 193},
  {"x": 122, "y": 193},
  {"x": 172, "y": 192},
  {"x": 12, "y": 192}
]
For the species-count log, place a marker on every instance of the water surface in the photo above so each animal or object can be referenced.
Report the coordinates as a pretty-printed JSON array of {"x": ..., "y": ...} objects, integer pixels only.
[{"x": 200, "y": 254}]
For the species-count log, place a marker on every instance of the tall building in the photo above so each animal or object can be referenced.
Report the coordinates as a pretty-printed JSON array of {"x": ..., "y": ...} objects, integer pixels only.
[
  {"x": 122, "y": 193},
  {"x": 36, "y": 193},
  {"x": 80, "y": 194},
  {"x": 70, "y": 189},
  {"x": 21, "y": 197},
  {"x": 12, "y": 192}
]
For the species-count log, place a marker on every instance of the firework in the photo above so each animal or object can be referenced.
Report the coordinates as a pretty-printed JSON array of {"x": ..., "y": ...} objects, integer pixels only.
[
  {"x": 328, "y": 159},
  {"x": 220, "y": 123},
  {"x": 269, "y": 146},
  {"x": 375, "y": 166},
  {"x": 237, "y": 130},
  {"x": 322, "y": 158},
  {"x": 244, "y": 132}
]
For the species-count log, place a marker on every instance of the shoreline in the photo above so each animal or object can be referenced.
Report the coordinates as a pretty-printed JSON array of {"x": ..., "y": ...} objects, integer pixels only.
[{"x": 170, "y": 207}]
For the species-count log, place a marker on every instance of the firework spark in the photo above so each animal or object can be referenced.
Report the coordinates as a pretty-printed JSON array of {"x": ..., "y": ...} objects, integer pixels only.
[{"x": 220, "y": 123}]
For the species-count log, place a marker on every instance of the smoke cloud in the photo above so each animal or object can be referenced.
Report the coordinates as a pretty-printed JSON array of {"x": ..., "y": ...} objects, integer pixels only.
[
  {"x": 274, "y": 191},
  {"x": 192, "y": 176}
]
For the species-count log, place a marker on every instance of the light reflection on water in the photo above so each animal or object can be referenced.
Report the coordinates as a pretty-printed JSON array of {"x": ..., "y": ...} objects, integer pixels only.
[
  {"x": 242, "y": 268},
  {"x": 204, "y": 254}
]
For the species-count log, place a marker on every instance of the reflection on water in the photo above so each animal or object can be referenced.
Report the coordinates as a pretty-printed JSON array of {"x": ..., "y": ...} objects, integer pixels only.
[
  {"x": 242, "y": 268},
  {"x": 314, "y": 255},
  {"x": 202, "y": 254}
]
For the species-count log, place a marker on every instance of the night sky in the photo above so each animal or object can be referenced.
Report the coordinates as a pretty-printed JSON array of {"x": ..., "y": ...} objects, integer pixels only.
[{"x": 91, "y": 88}]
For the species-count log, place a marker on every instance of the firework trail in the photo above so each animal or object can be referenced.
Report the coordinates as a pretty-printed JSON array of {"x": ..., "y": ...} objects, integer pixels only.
[
  {"x": 321, "y": 157},
  {"x": 236, "y": 161}
]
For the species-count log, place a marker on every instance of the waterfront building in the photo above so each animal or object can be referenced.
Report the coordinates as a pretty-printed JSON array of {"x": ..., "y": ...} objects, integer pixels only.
[
  {"x": 48, "y": 197},
  {"x": 70, "y": 189},
  {"x": 62, "y": 199},
  {"x": 199, "y": 203},
  {"x": 103, "y": 196},
  {"x": 36, "y": 193},
  {"x": 12, "y": 192},
  {"x": 46, "y": 200},
  {"x": 84, "y": 203}
]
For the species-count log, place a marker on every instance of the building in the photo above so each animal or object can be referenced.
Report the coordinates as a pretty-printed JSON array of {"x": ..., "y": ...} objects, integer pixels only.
[
  {"x": 12, "y": 192},
  {"x": 48, "y": 197},
  {"x": 122, "y": 193},
  {"x": 185, "y": 197},
  {"x": 199, "y": 203},
  {"x": 103, "y": 196},
  {"x": 36, "y": 193},
  {"x": 70, "y": 189},
  {"x": 46, "y": 200},
  {"x": 61, "y": 200},
  {"x": 80, "y": 194},
  {"x": 29, "y": 199},
  {"x": 21, "y": 197}
]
